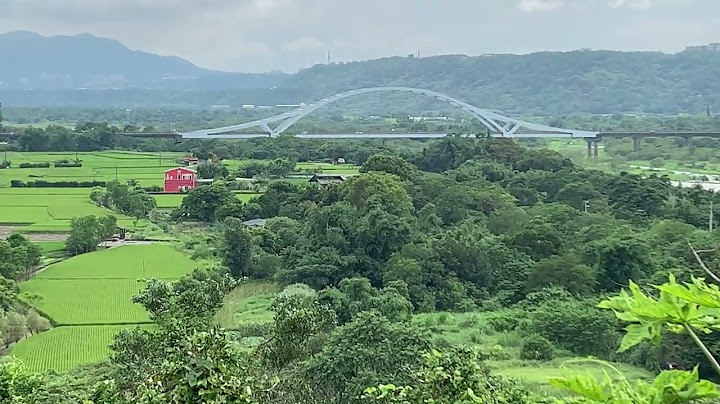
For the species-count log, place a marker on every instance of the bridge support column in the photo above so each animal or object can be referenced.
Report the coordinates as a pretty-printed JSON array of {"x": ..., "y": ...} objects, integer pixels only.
[
  {"x": 637, "y": 142},
  {"x": 688, "y": 141},
  {"x": 592, "y": 147}
]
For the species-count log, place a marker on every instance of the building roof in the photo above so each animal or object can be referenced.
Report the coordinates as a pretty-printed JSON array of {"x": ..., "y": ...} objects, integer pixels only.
[
  {"x": 327, "y": 179},
  {"x": 255, "y": 222},
  {"x": 181, "y": 168}
]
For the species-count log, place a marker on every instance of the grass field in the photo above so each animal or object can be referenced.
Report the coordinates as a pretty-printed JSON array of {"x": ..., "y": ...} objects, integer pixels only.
[
  {"x": 147, "y": 168},
  {"x": 88, "y": 301},
  {"x": 249, "y": 302},
  {"x": 48, "y": 247},
  {"x": 50, "y": 209},
  {"x": 473, "y": 329},
  {"x": 64, "y": 348},
  {"x": 89, "y": 298},
  {"x": 130, "y": 262}
]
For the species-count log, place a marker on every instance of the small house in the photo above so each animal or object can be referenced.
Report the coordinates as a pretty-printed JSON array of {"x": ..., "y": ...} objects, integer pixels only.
[
  {"x": 181, "y": 179},
  {"x": 191, "y": 160},
  {"x": 326, "y": 179}
]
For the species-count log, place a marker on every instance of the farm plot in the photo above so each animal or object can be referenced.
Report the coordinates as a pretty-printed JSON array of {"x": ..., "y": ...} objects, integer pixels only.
[
  {"x": 145, "y": 167},
  {"x": 87, "y": 301},
  {"x": 51, "y": 212},
  {"x": 129, "y": 262},
  {"x": 64, "y": 348},
  {"x": 89, "y": 297},
  {"x": 97, "y": 288}
]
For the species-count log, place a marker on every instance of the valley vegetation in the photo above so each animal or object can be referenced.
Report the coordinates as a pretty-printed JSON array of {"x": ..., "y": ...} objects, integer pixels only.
[{"x": 480, "y": 229}]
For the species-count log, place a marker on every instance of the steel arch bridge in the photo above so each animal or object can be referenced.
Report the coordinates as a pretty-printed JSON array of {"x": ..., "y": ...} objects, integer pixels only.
[{"x": 497, "y": 125}]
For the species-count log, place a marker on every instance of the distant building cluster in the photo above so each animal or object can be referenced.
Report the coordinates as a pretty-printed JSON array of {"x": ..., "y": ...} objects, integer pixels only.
[
  {"x": 712, "y": 47},
  {"x": 253, "y": 106}
]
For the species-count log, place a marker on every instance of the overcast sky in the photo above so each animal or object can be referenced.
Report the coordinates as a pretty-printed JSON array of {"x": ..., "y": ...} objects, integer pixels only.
[{"x": 263, "y": 35}]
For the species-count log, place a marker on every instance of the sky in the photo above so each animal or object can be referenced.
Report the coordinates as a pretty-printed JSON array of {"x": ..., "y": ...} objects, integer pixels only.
[{"x": 266, "y": 35}]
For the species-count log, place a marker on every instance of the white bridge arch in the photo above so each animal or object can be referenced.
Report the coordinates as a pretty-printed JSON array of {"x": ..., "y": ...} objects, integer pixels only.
[{"x": 496, "y": 124}]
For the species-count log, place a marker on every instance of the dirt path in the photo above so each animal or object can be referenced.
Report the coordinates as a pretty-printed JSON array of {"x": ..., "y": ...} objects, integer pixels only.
[{"x": 6, "y": 231}]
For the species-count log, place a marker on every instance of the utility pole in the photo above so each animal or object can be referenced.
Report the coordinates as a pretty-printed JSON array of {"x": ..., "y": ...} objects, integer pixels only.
[{"x": 710, "y": 225}]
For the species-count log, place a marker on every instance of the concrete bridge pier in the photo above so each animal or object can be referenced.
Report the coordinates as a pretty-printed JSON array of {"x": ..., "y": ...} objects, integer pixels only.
[
  {"x": 592, "y": 147},
  {"x": 637, "y": 142}
]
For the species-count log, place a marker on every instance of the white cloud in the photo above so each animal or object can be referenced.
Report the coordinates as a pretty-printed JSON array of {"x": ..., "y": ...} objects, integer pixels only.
[
  {"x": 539, "y": 5},
  {"x": 261, "y": 35},
  {"x": 637, "y": 4}
]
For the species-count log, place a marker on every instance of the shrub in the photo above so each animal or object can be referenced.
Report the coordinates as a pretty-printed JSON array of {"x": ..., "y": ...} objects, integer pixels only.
[
  {"x": 504, "y": 321},
  {"x": 577, "y": 326},
  {"x": 67, "y": 163},
  {"x": 254, "y": 329},
  {"x": 56, "y": 184},
  {"x": 34, "y": 165},
  {"x": 657, "y": 162},
  {"x": 5, "y": 164},
  {"x": 153, "y": 188},
  {"x": 537, "y": 347}
]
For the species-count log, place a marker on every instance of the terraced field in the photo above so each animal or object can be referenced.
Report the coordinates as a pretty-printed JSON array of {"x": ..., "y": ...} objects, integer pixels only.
[
  {"x": 130, "y": 262},
  {"x": 63, "y": 348},
  {"x": 89, "y": 298}
]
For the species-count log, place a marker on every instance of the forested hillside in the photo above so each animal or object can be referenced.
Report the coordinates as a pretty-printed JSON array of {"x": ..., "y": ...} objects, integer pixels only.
[
  {"x": 544, "y": 84},
  {"x": 35, "y": 62}
]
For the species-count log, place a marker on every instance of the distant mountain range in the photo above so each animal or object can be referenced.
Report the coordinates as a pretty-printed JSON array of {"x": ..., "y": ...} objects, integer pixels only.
[
  {"x": 85, "y": 70},
  {"x": 32, "y": 61}
]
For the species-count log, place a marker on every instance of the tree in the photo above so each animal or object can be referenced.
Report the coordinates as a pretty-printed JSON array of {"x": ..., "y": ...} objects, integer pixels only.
[
  {"x": 679, "y": 309},
  {"x": 576, "y": 326},
  {"x": 210, "y": 169},
  {"x": 454, "y": 377},
  {"x": 202, "y": 203},
  {"x": 365, "y": 352},
  {"x": 36, "y": 323},
  {"x": 236, "y": 248},
  {"x": 16, "y": 382},
  {"x": 109, "y": 224},
  {"x": 620, "y": 258},
  {"x": 86, "y": 233},
  {"x": 390, "y": 164},
  {"x": 631, "y": 195},
  {"x": 562, "y": 271},
  {"x": 657, "y": 162},
  {"x": 15, "y": 328}
]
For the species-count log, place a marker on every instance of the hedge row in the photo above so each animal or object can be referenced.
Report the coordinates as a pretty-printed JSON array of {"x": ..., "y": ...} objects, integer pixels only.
[
  {"x": 34, "y": 165},
  {"x": 63, "y": 164},
  {"x": 57, "y": 184}
]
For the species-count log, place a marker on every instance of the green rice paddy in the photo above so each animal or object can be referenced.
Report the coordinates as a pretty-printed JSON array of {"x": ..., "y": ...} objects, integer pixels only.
[{"x": 89, "y": 299}]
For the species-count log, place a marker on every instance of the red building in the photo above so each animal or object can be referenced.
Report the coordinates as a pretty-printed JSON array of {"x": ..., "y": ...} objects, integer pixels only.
[{"x": 180, "y": 179}]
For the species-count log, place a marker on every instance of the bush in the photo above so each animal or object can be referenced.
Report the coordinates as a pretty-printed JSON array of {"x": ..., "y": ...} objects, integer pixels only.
[
  {"x": 657, "y": 162},
  {"x": 56, "y": 184},
  {"x": 537, "y": 347},
  {"x": 153, "y": 188},
  {"x": 34, "y": 165},
  {"x": 5, "y": 164},
  {"x": 577, "y": 326},
  {"x": 504, "y": 321},
  {"x": 67, "y": 163}
]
